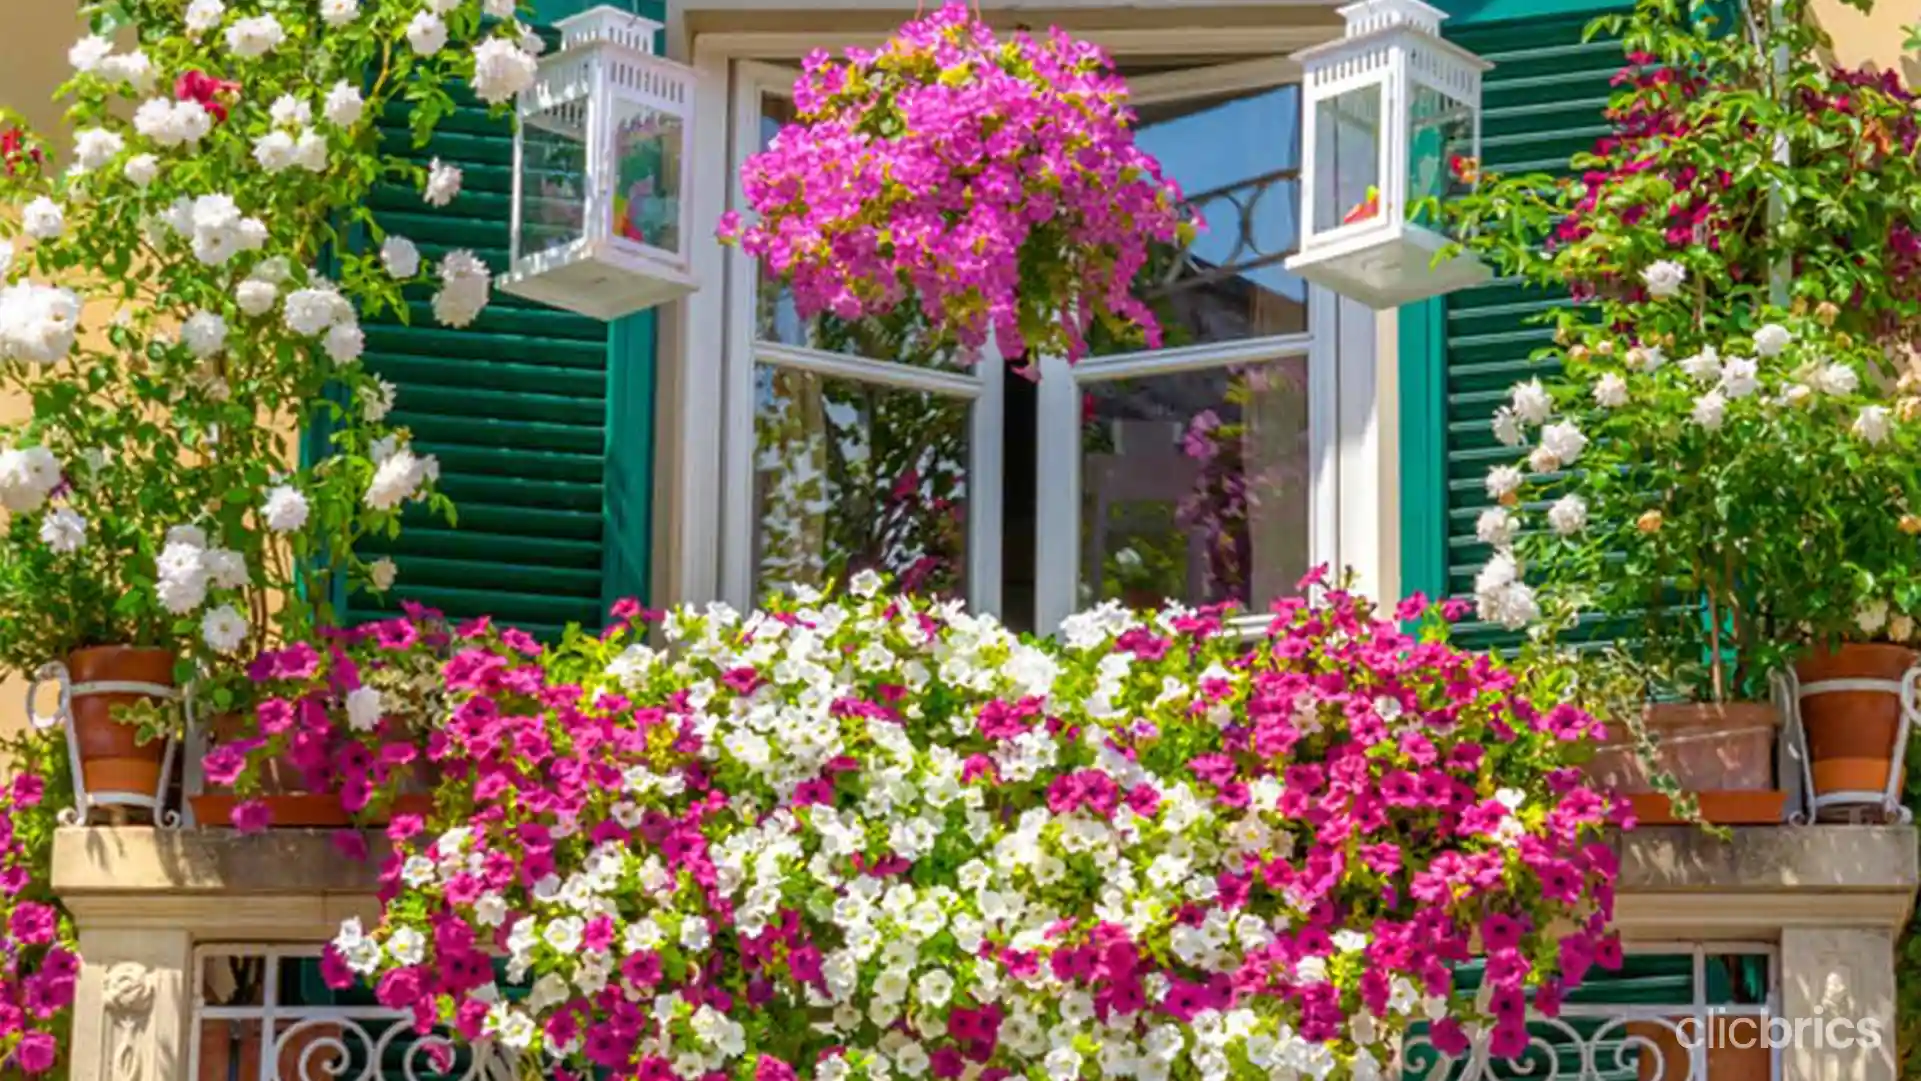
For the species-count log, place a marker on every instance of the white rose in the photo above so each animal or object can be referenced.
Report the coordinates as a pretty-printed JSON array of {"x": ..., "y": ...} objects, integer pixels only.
[
  {"x": 344, "y": 104},
  {"x": 338, "y": 13},
  {"x": 204, "y": 334},
  {"x": 1710, "y": 410},
  {"x": 224, "y": 629},
  {"x": 255, "y": 37},
  {"x": 400, "y": 256},
  {"x": 1496, "y": 527},
  {"x": 1611, "y": 391},
  {"x": 87, "y": 53},
  {"x": 1531, "y": 403},
  {"x": 1503, "y": 480},
  {"x": 285, "y": 510},
  {"x": 1836, "y": 378},
  {"x": 1508, "y": 427},
  {"x": 1568, "y": 515},
  {"x": 1740, "y": 377},
  {"x": 345, "y": 342},
  {"x": 1771, "y": 339},
  {"x": 1664, "y": 279},
  {"x": 426, "y": 33},
  {"x": 255, "y": 297},
  {"x": 381, "y": 574},
  {"x": 63, "y": 530},
  {"x": 1871, "y": 617},
  {"x": 310, "y": 151},
  {"x": 274, "y": 151},
  {"x": 141, "y": 169},
  {"x": 501, "y": 70},
  {"x": 288, "y": 111},
  {"x": 443, "y": 183},
  {"x": 43, "y": 219},
  {"x": 204, "y": 15},
  {"x": 1872, "y": 423},
  {"x": 95, "y": 147}
]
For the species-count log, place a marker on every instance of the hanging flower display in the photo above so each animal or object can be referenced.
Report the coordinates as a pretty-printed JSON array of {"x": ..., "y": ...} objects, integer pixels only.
[{"x": 996, "y": 184}]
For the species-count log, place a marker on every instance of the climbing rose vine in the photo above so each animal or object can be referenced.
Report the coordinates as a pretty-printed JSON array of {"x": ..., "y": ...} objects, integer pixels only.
[
  {"x": 996, "y": 184},
  {"x": 875, "y": 836}
]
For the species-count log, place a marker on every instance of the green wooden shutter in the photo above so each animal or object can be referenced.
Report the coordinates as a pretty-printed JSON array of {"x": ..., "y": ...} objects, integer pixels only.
[
  {"x": 513, "y": 405},
  {"x": 1462, "y": 353}
]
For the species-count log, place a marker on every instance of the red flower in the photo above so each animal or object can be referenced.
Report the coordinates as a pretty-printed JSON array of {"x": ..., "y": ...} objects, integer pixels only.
[
  {"x": 212, "y": 94},
  {"x": 14, "y": 149}
]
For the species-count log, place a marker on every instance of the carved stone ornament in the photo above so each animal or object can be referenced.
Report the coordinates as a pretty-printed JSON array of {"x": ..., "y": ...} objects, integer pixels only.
[{"x": 128, "y": 994}]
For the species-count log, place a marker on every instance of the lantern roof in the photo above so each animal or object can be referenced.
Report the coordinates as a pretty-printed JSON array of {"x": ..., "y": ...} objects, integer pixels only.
[{"x": 1373, "y": 22}]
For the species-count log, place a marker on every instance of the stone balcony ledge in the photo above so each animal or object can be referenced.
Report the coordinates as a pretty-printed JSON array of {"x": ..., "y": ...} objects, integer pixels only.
[{"x": 1676, "y": 882}]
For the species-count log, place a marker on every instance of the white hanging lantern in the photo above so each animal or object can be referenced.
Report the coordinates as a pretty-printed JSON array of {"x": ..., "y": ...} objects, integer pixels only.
[
  {"x": 1389, "y": 108},
  {"x": 600, "y": 170}
]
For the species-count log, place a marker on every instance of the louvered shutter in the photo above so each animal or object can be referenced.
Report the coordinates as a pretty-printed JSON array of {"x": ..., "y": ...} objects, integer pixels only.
[
  {"x": 514, "y": 406},
  {"x": 1543, "y": 103}
]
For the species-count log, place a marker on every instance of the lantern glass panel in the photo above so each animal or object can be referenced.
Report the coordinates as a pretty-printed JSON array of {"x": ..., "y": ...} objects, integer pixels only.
[
  {"x": 1347, "y": 158},
  {"x": 1440, "y": 132},
  {"x": 553, "y": 188},
  {"x": 647, "y": 149}
]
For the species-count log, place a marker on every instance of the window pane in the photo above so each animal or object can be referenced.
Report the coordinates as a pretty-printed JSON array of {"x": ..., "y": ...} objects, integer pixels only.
[
  {"x": 1347, "y": 158},
  {"x": 850, "y": 477},
  {"x": 1237, "y": 158},
  {"x": 1195, "y": 486}
]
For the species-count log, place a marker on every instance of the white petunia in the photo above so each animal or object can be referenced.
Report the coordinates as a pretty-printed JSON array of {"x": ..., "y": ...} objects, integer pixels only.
[
  {"x": 255, "y": 297},
  {"x": 400, "y": 256},
  {"x": 1349, "y": 941},
  {"x": 1568, "y": 515},
  {"x": 1664, "y": 279},
  {"x": 63, "y": 530},
  {"x": 141, "y": 169},
  {"x": 381, "y": 574},
  {"x": 1710, "y": 410},
  {"x": 1871, "y": 423},
  {"x": 95, "y": 147},
  {"x": 426, "y": 33},
  {"x": 1502, "y": 481},
  {"x": 364, "y": 708},
  {"x": 1496, "y": 526},
  {"x": 443, "y": 183},
  {"x": 1771, "y": 339},
  {"x": 344, "y": 105},
  {"x": 338, "y": 13},
  {"x": 501, "y": 70},
  {"x": 1611, "y": 391},
  {"x": 224, "y": 629},
  {"x": 285, "y": 509},
  {"x": 344, "y": 342},
  {"x": 204, "y": 334},
  {"x": 255, "y": 37},
  {"x": 87, "y": 53},
  {"x": 43, "y": 219},
  {"x": 274, "y": 151},
  {"x": 288, "y": 111},
  {"x": 38, "y": 323},
  {"x": 1740, "y": 377},
  {"x": 1531, "y": 402},
  {"x": 204, "y": 15}
]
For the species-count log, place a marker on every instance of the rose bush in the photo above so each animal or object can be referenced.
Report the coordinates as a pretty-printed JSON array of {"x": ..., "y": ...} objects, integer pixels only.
[
  {"x": 188, "y": 291},
  {"x": 872, "y": 835},
  {"x": 994, "y": 184}
]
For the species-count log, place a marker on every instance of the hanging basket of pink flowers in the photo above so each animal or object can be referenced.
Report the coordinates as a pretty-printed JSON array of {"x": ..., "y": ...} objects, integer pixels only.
[{"x": 994, "y": 183}]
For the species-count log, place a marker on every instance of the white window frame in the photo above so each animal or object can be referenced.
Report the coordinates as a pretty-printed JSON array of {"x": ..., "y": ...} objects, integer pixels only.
[
  {"x": 704, "y": 484},
  {"x": 981, "y": 388}
]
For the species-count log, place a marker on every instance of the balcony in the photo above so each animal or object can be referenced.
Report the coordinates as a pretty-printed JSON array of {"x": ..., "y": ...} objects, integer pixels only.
[{"x": 198, "y": 947}]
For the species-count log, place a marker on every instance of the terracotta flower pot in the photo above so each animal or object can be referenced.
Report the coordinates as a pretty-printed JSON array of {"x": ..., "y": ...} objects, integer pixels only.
[
  {"x": 289, "y": 804},
  {"x": 112, "y": 758},
  {"x": 1707, "y": 747},
  {"x": 1852, "y": 733},
  {"x": 1737, "y": 1048}
]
